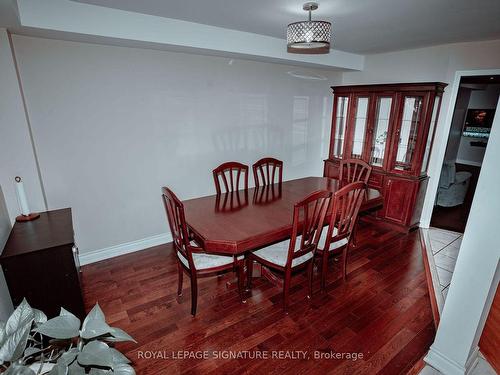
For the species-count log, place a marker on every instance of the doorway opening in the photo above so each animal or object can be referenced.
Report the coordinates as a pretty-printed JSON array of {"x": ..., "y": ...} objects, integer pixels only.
[
  {"x": 471, "y": 123},
  {"x": 472, "y": 119}
]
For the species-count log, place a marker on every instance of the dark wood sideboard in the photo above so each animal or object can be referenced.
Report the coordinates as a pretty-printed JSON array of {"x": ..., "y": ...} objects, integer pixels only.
[
  {"x": 40, "y": 263},
  {"x": 391, "y": 127}
]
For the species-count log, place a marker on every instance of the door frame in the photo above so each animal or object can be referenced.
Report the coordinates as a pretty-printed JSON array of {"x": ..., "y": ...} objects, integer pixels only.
[{"x": 439, "y": 146}]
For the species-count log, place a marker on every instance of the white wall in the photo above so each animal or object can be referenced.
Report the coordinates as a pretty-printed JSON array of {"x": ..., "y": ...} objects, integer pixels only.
[
  {"x": 16, "y": 157},
  {"x": 5, "y": 226},
  {"x": 439, "y": 63},
  {"x": 476, "y": 274},
  {"x": 16, "y": 152},
  {"x": 479, "y": 99},
  {"x": 113, "y": 124}
]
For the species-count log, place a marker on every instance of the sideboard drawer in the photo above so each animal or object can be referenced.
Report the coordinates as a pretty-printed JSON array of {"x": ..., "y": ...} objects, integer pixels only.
[{"x": 376, "y": 180}]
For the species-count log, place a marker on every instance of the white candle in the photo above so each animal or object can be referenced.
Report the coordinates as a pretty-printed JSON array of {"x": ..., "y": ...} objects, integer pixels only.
[{"x": 21, "y": 197}]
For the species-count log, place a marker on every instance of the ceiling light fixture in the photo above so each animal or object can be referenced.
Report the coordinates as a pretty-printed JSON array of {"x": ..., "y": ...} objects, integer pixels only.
[{"x": 309, "y": 36}]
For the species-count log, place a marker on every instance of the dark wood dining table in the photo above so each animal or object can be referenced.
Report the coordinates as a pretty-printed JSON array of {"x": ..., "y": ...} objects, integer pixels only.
[{"x": 244, "y": 220}]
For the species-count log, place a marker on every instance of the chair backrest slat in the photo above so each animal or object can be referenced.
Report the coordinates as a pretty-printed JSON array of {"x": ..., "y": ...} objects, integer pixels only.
[
  {"x": 308, "y": 220},
  {"x": 354, "y": 170},
  {"x": 230, "y": 173},
  {"x": 267, "y": 171},
  {"x": 346, "y": 203}
]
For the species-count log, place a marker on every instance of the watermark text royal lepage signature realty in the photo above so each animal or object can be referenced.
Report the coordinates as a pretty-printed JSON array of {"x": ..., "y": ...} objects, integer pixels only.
[{"x": 248, "y": 354}]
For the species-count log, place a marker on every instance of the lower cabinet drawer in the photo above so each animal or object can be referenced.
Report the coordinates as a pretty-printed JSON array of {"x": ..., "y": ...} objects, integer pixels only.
[{"x": 376, "y": 180}]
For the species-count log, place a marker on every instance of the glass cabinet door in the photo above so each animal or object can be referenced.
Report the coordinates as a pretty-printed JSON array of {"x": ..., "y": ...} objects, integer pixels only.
[
  {"x": 359, "y": 130},
  {"x": 407, "y": 131},
  {"x": 340, "y": 126},
  {"x": 380, "y": 131}
]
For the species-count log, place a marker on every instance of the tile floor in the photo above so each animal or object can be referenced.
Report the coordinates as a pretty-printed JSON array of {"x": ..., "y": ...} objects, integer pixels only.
[
  {"x": 482, "y": 368},
  {"x": 445, "y": 246}
]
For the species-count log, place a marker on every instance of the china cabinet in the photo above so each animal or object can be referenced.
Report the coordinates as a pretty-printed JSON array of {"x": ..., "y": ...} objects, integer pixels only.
[{"x": 391, "y": 127}]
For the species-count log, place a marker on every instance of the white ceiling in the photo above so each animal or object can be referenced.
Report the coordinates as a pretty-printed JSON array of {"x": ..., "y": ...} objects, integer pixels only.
[
  {"x": 359, "y": 26},
  {"x": 8, "y": 13},
  {"x": 83, "y": 22}
]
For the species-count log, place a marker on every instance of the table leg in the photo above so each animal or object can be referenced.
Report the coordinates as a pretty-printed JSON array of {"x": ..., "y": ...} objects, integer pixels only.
[{"x": 256, "y": 273}]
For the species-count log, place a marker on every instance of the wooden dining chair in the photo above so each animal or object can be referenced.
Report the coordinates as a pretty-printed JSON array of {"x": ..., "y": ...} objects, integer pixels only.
[
  {"x": 267, "y": 171},
  {"x": 298, "y": 252},
  {"x": 344, "y": 211},
  {"x": 354, "y": 170},
  {"x": 230, "y": 173},
  {"x": 191, "y": 258}
]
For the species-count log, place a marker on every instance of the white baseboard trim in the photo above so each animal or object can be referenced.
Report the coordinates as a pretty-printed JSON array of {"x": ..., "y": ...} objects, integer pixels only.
[
  {"x": 468, "y": 162},
  {"x": 472, "y": 361},
  {"x": 442, "y": 363},
  {"x": 484, "y": 365},
  {"x": 124, "y": 248}
]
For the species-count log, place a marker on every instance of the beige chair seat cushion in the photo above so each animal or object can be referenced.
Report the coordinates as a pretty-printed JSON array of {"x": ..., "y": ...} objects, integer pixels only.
[
  {"x": 204, "y": 261},
  {"x": 278, "y": 253},
  {"x": 334, "y": 245}
]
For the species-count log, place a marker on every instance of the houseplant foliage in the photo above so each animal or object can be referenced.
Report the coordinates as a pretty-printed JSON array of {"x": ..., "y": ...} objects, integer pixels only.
[{"x": 71, "y": 350}]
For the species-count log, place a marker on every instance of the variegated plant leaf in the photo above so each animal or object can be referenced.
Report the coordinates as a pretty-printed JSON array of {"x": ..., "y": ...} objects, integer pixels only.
[
  {"x": 42, "y": 367},
  {"x": 100, "y": 371},
  {"x": 65, "y": 312},
  {"x": 14, "y": 344},
  {"x": 76, "y": 369},
  {"x": 95, "y": 314},
  {"x": 96, "y": 353},
  {"x": 31, "y": 351},
  {"x": 95, "y": 324},
  {"x": 2, "y": 332},
  {"x": 118, "y": 357},
  {"x": 16, "y": 369},
  {"x": 123, "y": 369},
  {"x": 65, "y": 326},
  {"x": 118, "y": 335},
  {"x": 39, "y": 316},
  {"x": 21, "y": 316},
  {"x": 59, "y": 369},
  {"x": 68, "y": 358},
  {"x": 94, "y": 328}
]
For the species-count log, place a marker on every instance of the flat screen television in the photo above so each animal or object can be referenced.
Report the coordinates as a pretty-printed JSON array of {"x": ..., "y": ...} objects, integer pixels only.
[{"x": 478, "y": 123}]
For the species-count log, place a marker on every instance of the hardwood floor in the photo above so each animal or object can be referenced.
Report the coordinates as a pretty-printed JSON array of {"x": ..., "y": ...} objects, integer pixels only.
[
  {"x": 381, "y": 313},
  {"x": 490, "y": 338}
]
